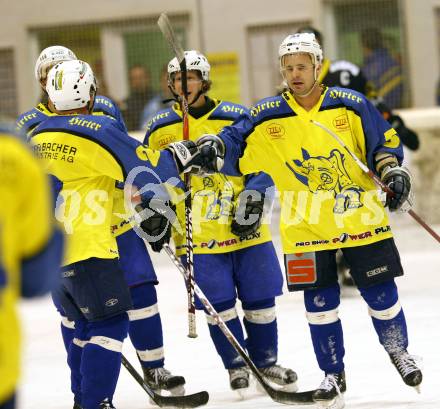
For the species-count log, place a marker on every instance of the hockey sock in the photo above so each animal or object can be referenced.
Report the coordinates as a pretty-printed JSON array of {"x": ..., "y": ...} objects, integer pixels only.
[
  {"x": 325, "y": 327},
  {"x": 229, "y": 356},
  {"x": 145, "y": 328},
  {"x": 387, "y": 315},
  {"x": 101, "y": 360},
  {"x": 67, "y": 332},
  {"x": 74, "y": 354},
  {"x": 262, "y": 334}
]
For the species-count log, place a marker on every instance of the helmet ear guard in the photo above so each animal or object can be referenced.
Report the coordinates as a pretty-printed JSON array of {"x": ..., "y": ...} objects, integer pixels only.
[{"x": 71, "y": 85}]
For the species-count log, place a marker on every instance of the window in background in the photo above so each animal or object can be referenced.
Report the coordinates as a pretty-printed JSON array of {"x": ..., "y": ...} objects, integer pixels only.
[
  {"x": 262, "y": 45},
  {"x": 382, "y": 24},
  {"x": 112, "y": 47},
  {"x": 8, "y": 90}
]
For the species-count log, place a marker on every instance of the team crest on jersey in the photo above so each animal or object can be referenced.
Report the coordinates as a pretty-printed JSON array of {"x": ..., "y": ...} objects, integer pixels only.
[
  {"x": 165, "y": 140},
  {"x": 341, "y": 123},
  {"x": 149, "y": 155},
  {"x": 275, "y": 131},
  {"x": 322, "y": 174}
]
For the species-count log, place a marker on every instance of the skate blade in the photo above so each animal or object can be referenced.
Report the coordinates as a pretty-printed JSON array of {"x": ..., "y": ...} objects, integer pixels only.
[
  {"x": 337, "y": 403},
  {"x": 177, "y": 391},
  {"x": 418, "y": 389},
  {"x": 242, "y": 393}
]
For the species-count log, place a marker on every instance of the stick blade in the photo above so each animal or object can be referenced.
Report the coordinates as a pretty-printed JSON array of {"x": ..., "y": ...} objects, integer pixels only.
[
  {"x": 167, "y": 30},
  {"x": 186, "y": 401},
  {"x": 292, "y": 398}
]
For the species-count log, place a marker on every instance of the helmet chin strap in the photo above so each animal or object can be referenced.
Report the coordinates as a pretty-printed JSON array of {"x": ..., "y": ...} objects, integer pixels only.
[{"x": 307, "y": 93}]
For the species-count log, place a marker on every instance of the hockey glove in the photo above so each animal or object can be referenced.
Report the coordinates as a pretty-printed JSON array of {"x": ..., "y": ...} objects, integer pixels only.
[
  {"x": 248, "y": 217},
  {"x": 187, "y": 157},
  {"x": 157, "y": 218},
  {"x": 398, "y": 179},
  {"x": 408, "y": 137},
  {"x": 212, "y": 153}
]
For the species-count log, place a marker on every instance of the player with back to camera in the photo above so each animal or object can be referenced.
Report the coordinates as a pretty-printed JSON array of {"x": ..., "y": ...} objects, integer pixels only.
[
  {"x": 145, "y": 329},
  {"x": 87, "y": 155}
]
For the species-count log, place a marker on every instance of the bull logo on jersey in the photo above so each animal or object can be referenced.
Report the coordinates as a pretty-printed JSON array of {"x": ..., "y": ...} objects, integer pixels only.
[
  {"x": 219, "y": 196},
  {"x": 322, "y": 173}
]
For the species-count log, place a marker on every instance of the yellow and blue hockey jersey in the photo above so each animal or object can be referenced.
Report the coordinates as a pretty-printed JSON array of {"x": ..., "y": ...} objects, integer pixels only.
[
  {"x": 214, "y": 197},
  {"x": 29, "y": 120},
  {"x": 327, "y": 201},
  {"x": 29, "y": 252},
  {"x": 88, "y": 154}
]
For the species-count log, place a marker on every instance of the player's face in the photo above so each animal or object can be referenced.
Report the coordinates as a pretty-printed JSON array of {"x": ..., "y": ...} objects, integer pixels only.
[
  {"x": 298, "y": 71},
  {"x": 194, "y": 84}
]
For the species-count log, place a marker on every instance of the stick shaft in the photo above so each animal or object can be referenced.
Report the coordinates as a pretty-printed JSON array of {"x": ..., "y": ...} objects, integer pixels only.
[
  {"x": 168, "y": 32},
  {"x": 376, "y": 178}
]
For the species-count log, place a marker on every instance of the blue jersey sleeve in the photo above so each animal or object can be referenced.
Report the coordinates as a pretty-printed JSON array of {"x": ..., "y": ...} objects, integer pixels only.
[
  {"x": 379, "y": 135},
  {"x": 39, "y": 273},
  {"x": 234, "y": 137},
  {"x": 108, "y": 107},
  {"x": 260, "y": 182}
]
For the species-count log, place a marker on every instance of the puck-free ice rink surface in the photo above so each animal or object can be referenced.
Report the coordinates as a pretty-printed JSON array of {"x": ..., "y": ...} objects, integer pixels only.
[{"x": 372, "y": 381}]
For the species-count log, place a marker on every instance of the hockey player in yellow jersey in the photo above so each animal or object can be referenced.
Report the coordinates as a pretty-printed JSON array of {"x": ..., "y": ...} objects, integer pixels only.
[
  {"x": 145, "y": 330},
  {"x": 30, "y": 248},
  {"x": 87, "y": 155},
  {"x": 327, "y": 202},
  {"x": 230, "y": 259}
]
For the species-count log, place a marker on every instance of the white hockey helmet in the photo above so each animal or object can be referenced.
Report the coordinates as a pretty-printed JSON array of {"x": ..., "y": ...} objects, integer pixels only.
[
  {"x": 49, "y": 57},
  {"x": 194, "y": 61},
  {"x": 69, "y": 85},
  {"x": 301, "y": 43}
]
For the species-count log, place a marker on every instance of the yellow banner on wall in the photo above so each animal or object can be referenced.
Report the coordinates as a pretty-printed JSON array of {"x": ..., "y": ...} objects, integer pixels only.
[{"x": 225, "y": 76}]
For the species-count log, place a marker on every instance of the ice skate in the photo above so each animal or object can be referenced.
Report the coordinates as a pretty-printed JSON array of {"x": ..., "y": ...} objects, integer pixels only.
[
  {"x": 329, "y": 393},
  {"x": 407, "y": 367},
  {"x": 162, "y": 379},
  {"x": 239, "y": 380},
  {"x": 284, "y": 377},
  {"x": 106, "y": 405}
]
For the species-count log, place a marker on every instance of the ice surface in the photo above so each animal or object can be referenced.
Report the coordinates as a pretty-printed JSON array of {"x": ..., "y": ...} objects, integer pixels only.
[{"x": 371, "y": 379}]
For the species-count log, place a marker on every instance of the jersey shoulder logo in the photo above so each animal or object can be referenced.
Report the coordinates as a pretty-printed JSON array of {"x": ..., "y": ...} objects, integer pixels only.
[
  {"x": 148, "y": 155},
  {"x": 392, "y": 140}
]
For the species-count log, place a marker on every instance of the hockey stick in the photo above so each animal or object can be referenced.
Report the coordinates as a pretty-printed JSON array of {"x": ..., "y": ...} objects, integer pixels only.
[
  {"x": 373, "y": 176},
  {"x": 186, "y": 401},
  {"x": 168, "y": 32},
  {"x": 289, "y": 398}
]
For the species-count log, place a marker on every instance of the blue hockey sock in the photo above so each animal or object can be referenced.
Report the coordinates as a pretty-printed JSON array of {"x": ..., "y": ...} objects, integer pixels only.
[
  {"x": 325, "y": 327},
  {"x": 145, "y": 328},
  {"x": 262, "y": 333},
  {"x": 74, "y": 354},
  {"x": 101, "y": 360},
  {"x": 229, "y": 356},
  {"x": 67, "y": 332},
  {"x": 387, "y": 315}
]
